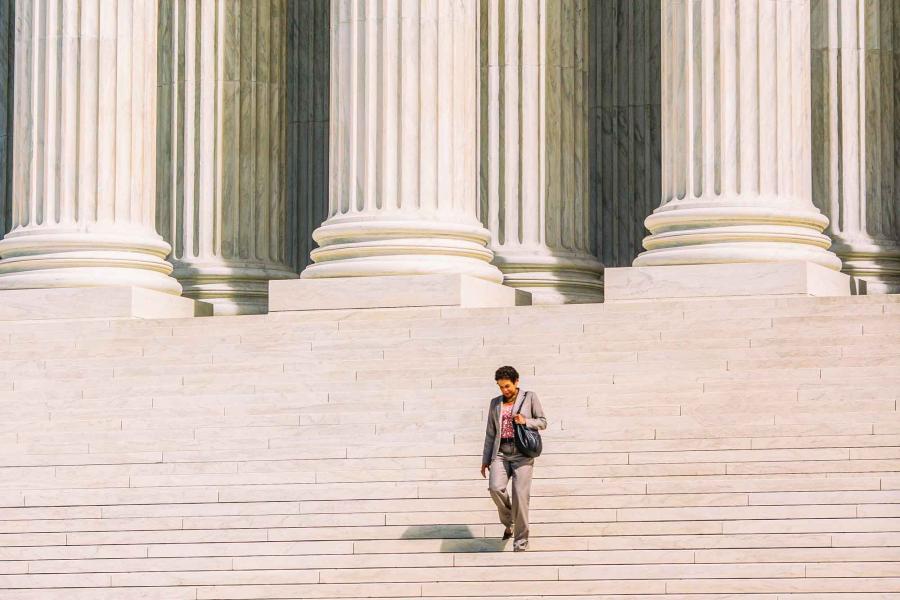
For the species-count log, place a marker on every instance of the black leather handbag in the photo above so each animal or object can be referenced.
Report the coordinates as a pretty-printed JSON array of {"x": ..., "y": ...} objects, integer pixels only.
[{"x": 528, "y": 441}]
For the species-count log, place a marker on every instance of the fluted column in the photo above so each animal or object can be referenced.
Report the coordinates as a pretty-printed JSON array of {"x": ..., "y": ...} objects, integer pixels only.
[
  {"x": 403, "y": 195},
  {"x": 84, "y": 162},
  {"x": 222, "y": 140},
  {"x": 856, "y": 134},
  {"x": 534, "y": 154},
  {"x": 736, "y": 154}
]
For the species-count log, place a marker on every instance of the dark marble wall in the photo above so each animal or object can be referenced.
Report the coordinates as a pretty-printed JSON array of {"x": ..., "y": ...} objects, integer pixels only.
[
  {"x": 856, "y": 134},
  {"x": 7, "y": 10},
  {"x": 624, "y": 124},
  {"x": 308, "y": 40}
]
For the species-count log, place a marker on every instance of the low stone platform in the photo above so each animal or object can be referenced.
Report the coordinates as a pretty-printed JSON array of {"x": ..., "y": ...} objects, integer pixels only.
[
  {"x": 97, "y": 303},
  {"x": 724, "y": 281},
  {"x": 391, "y": 292}
]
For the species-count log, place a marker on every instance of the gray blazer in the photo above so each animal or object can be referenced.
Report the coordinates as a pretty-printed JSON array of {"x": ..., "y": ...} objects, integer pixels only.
[{"x": 528, "y": 404}]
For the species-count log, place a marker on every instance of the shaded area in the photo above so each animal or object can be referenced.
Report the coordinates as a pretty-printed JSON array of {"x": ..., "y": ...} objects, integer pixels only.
[
  {"x": 855, "y": 75},
  {"x": 306, "y": 145},
  {"x": 7, "y": 45},
  {"x": 454, "y": 538},
  {"x": 624, "y": 101}
]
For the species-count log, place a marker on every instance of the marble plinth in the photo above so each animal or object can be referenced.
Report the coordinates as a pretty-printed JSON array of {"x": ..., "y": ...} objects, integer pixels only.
[
  {"x": 724, "y": 280},
  {"x": 97, "y": 303},
  {"x": 392, "y": 291}
]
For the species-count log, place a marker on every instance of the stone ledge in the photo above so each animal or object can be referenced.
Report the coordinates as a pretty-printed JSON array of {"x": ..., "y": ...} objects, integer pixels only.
[
  {"x": 392, "y": 291},
  {"x": 633, "y": 284},
  {"x": 97, "y": 303}
]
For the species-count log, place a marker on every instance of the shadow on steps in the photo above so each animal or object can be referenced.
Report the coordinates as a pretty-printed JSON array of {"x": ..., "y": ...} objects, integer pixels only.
[{"x": 454, "y": 538}]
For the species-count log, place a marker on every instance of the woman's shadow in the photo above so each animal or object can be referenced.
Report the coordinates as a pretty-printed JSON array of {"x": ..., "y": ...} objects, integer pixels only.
[{"x": 454, "y": 538}]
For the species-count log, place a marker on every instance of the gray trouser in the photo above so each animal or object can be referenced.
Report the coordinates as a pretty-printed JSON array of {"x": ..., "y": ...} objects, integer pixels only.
[{"x": 513, "y": 511}]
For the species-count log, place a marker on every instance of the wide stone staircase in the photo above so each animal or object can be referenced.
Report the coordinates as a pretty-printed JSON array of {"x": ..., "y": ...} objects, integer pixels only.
[{"x": 696, "y": 449}]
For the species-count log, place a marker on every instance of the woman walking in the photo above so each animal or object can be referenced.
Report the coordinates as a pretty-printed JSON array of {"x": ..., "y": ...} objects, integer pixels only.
[{"x": 504, "y": 460}]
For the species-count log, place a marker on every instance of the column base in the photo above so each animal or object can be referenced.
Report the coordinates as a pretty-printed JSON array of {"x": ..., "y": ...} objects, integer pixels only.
[
  {"x": 392, "y": 291},
  {"x": 876, "y": 265},
  {"x": 370, "y": 247},
  {"x": 629, "y": 284},
  {"x": 230, "y": 289},
  {"x": 695, "y": 232},
  {"x": 553, "y": 278},
  {"x": 68, "y": 258},
  {"x": 97, "y": 303}
]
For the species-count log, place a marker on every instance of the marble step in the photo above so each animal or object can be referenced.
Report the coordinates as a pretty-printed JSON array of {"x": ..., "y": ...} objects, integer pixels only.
[
  {"x": 545, "y": 521},
  {"x": 869, "y": 446},
  {"x": 627, "y": 327},
  {"x": 469, "y": 415},
  {"x": 236, "y": 491},
  {"x": 39, "y": 479},
  {"x": 411, "y": 443},
  {"x": 489, "y": 575},
  {"x": 697, "y": 450},
  {"x": 190, "y": 593},
  {"x": 469, "y": 352}
]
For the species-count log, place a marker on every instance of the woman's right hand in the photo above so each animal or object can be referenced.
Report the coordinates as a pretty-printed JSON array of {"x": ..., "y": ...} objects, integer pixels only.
[{"x": 484, "y": 469}]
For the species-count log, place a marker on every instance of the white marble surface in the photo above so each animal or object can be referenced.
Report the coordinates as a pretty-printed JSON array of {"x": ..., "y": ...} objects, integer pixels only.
[
  {"x": 392, "y": 292},
  {"x": 222, "y": 141},
  {"x": 534, "y": 147},
  {"x": 736, "y": 153},
  {"x": 724, "y": 280},
  {"x": 111, "y": 302},
  {"x": 403, "y": 169},
  {"x": 856, "y": 134},
  {"x": 84, "y": 161}
]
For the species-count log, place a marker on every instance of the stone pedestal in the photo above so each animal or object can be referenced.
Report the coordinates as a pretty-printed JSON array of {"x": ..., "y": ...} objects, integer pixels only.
[
  {"x": 534, "y": 150},
  {"x": 736, "y": 137},
  {"x": 97, "y": 303},
  {"x": 222, "y": 140},
  {"x": 84, "y": 161},
  {"x": 856, "y": 134},
  {"x": 392, "y": 291},
  {"x": 403, "y": 195},
  {"x": 631, "y": 284}
]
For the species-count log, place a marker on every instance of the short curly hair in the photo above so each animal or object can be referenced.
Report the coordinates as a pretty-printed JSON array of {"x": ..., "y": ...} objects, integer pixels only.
[{"x": 506, "y": 372}]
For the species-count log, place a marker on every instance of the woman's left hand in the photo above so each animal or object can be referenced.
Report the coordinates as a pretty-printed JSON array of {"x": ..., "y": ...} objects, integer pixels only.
[{"x": 520, "y": 419}]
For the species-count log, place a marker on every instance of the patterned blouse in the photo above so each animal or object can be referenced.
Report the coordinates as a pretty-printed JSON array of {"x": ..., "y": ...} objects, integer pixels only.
[{"x": 506, "y": 421}]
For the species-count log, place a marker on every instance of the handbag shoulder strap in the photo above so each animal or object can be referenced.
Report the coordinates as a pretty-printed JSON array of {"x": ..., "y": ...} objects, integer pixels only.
[{"x": 522, "y": 403}]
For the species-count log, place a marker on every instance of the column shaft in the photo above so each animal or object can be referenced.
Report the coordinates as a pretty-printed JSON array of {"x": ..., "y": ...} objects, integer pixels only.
[
  {"x": 856, "y": 134},
  {"x": 736, "y": 153},
  {"x": 403, "y": 170},
  {"x": 534, "y": 154},
  {"x": 222, "y": 140},
  {"x": 84, "y": 162}
]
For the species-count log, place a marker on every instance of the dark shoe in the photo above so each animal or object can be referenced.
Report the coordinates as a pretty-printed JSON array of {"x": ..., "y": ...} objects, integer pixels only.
[{"x": 507, "y": 533}]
